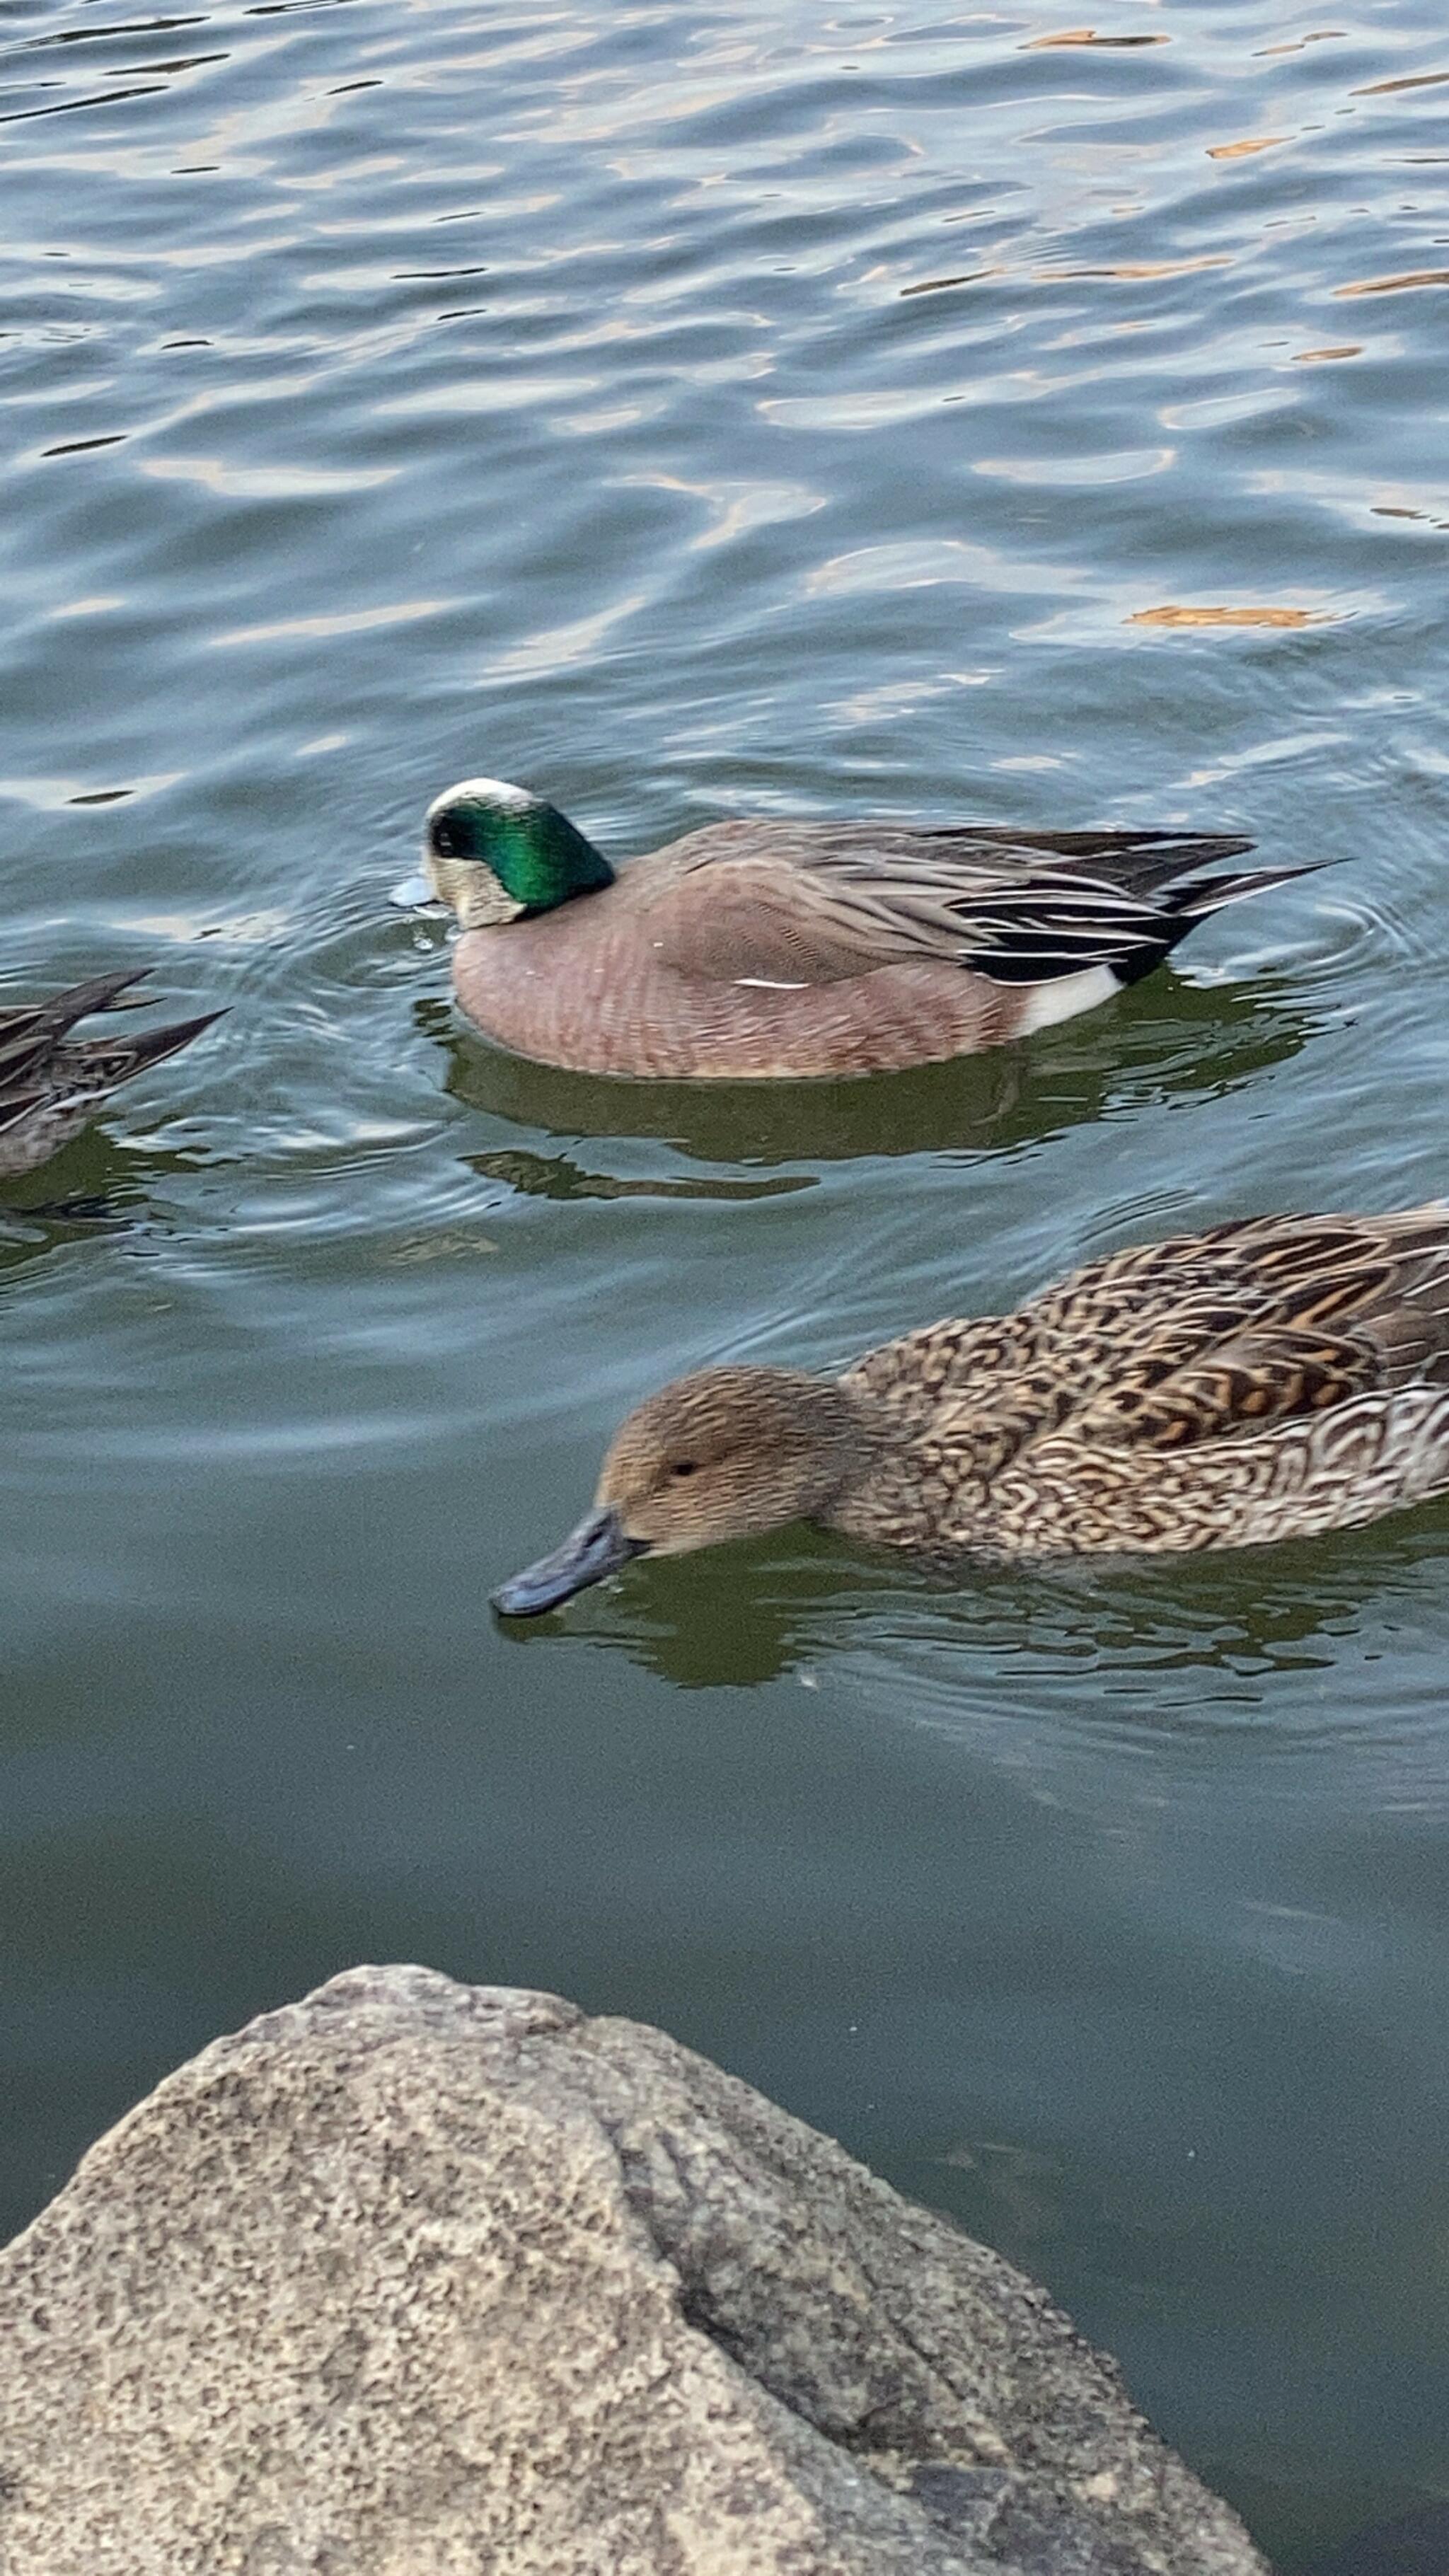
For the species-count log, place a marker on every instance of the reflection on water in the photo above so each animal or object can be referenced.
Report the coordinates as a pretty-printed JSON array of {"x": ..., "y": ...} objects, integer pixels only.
[
  {"x": 95, "y": 1185},
  {"x": 558, "y": 1176},
  {"x": 1413, "y": 2544},
  {"x": 36, "y": 1229},
  {"x": 1230, "y": 1623},
  {"x": 730, "y": 410}
]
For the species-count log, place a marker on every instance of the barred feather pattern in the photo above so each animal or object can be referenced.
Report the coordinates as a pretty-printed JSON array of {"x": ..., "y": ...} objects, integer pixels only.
[
  {"x": 51, "y": 1081},
  {"x": 1276, "y": 1377},
  {"x": 1271, "y": 1379}
]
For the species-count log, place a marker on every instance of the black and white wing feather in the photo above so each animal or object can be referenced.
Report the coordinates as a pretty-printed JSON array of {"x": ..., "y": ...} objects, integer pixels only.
[{"x": 821, "y": 900}]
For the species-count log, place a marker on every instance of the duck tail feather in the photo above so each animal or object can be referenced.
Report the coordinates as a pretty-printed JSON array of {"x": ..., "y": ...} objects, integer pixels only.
[
  {"x": 17, "y": 1107},
  {"x": 97, "y": 993},
  {"x": 154, "y": 1045},
  {"x": 1202, "y": 895}
]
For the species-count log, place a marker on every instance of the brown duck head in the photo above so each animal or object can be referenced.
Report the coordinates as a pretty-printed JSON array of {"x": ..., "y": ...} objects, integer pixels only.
[{"x": 726, "y": 1453}]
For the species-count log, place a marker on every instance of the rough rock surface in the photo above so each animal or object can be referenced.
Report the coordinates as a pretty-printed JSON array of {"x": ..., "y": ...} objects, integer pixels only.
[{"x": 420, "y": 2279}]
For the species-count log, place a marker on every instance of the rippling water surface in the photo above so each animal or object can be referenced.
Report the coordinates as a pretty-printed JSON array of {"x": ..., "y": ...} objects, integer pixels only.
[{"x": 691, "y": 409}]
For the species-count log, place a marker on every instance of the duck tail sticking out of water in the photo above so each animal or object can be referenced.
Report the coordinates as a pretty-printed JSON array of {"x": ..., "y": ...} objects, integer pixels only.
[
  {"x": 1101, "y": 911},
  {"x": 1195, "y": 898},
  {"x": 51, "y": 1081}
]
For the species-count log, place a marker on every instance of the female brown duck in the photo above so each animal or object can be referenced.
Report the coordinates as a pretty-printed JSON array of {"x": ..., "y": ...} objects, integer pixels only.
[
  {"x": 760, "y": 949},
  {"x": 52, "y": 1082},
  {"x": 1272, "y": 1379}
]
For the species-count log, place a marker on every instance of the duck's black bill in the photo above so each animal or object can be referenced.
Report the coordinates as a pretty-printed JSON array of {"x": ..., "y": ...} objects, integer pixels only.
[{"x": 599, "y": 1546}]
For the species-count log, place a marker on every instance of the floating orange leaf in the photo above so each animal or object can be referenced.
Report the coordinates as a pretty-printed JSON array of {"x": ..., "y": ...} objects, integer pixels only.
[
  {"x": 1240, "y": 151},
  {"x": 1227, "y": 617},
  {"x": 1313, "y": 357}
]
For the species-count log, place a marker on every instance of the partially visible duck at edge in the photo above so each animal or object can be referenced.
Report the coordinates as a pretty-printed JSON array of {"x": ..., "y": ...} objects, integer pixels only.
[
  {"x": 1275, "y": 1378},
  {"x": 769, "y": 949},
  {"x": 52, "y": 1082}
]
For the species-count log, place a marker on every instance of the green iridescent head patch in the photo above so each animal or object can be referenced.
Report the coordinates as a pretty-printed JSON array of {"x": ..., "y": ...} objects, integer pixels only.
[{"x": 537, "y": 855}]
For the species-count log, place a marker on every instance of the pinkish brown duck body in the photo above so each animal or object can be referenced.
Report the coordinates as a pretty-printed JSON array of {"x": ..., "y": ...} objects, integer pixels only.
[{"x": 772, "y": 950}]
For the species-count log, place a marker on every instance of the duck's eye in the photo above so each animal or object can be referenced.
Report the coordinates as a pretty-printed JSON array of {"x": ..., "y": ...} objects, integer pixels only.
[
  {"x": 684, "y": 1467},
  {"x": 443, "y": 841}
]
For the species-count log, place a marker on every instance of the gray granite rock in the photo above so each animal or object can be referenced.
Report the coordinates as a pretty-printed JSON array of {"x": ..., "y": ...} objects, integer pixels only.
[{"x": 420, "y": 2279}]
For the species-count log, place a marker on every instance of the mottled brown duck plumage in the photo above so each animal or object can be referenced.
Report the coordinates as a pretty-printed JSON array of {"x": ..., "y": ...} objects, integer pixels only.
[
  {"x": 51, "y": 1082},
  {"x": 760, "y": 949},
  {"x": 1272, "y": 1379}
]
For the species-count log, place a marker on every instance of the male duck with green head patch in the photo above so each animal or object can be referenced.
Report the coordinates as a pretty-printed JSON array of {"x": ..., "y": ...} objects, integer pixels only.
[{"x": 779, "y": 950}]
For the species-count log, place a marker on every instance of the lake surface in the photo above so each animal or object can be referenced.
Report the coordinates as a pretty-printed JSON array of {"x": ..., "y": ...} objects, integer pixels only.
[{"x": 688, "y": 410}]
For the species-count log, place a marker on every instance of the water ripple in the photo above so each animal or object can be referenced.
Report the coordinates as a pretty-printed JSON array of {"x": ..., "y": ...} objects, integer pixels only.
[{"x": 688, "y": 410}]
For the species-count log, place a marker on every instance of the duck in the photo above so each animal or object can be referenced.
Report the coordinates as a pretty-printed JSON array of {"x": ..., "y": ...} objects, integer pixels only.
[
  {"x": 1270, "y": 1379},
  {"x": 772, "y": 950},
  {"x": 51, "y": 1082}
]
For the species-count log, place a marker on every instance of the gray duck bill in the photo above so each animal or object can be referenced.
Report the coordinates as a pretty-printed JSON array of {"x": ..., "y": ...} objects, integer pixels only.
[
  {"x": 599, "y": 1546},
  {"x": 415, "y": 894}
]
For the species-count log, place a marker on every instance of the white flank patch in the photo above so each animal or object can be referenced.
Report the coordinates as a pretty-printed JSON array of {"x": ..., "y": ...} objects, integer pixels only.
[
  {"x": 1066, "y": 995},
  {"x": 762, "y": 983}
]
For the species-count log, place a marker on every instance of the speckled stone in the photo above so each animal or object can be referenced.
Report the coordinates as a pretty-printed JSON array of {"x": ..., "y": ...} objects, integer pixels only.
[{"x": 421, "y": 2279}]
